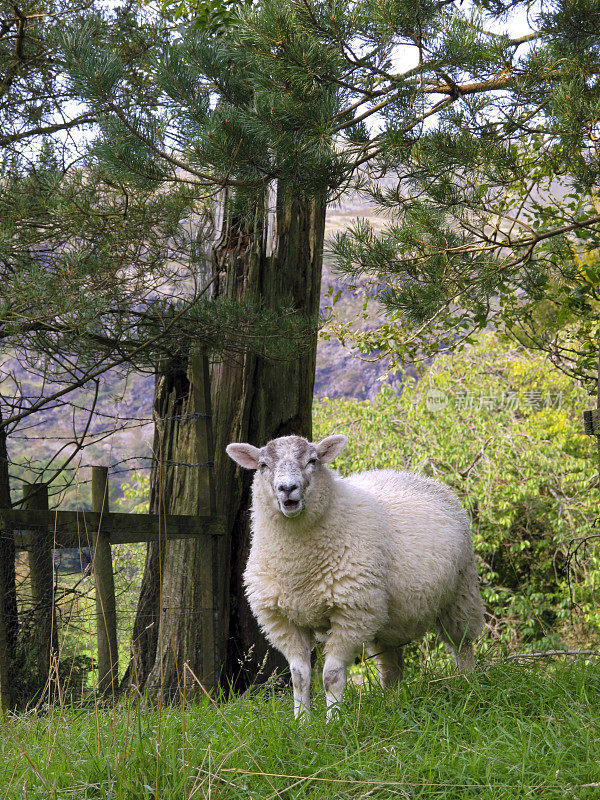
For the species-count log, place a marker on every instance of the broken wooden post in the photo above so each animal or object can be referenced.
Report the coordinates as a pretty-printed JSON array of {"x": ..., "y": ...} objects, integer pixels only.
[
  {"x": 106, "y": 607},
  {"x": 8, "y": 620},
  {"x": 41, "y": 576}
]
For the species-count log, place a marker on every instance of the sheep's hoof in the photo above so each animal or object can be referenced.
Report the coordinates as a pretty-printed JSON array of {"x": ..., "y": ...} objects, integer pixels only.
[{"x": 333, "y": 712}]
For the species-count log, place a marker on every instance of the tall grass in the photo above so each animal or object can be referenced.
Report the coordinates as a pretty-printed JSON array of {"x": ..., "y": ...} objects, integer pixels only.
[{"x": 505, "y": 731}]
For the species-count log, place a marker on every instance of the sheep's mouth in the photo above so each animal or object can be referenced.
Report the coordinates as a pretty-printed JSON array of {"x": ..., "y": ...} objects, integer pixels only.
[{"x": 291, "y": 508}]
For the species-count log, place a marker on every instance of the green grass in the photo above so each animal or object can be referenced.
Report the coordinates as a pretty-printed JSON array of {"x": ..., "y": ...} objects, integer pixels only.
[{"x": 505, "y": 731}]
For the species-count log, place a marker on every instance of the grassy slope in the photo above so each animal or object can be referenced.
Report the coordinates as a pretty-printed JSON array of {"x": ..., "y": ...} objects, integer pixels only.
[{"x": 504, "y": 732}]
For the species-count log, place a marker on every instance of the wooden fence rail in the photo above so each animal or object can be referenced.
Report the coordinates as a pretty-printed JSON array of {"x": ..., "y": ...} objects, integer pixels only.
[
  {"x": 40, "y": 531},
  {"x": 80, "y": 528}
]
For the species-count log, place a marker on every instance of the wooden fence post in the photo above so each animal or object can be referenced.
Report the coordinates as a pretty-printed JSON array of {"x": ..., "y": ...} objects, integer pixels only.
[
  {"x": 7, "y": 569},
  {"x": 106, "y": 607},
  {"x": 209, "y": 579},
  {"x": 35, "y": 497},
  {"x": 5, "y": 693}
]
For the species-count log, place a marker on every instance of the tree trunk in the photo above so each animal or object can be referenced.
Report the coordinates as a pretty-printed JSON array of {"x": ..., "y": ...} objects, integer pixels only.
[
  {"x": 171, "y": 394},
  {"x": 185, "y": 599},
  {"x": 253, "y": 400}
]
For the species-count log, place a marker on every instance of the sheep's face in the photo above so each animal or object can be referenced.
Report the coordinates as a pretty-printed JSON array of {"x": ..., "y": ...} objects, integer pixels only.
[{"x": 287, "y": 467}]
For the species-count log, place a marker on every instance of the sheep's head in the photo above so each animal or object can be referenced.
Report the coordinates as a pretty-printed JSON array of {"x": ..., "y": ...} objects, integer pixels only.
[{"x": 287, "y": 466}]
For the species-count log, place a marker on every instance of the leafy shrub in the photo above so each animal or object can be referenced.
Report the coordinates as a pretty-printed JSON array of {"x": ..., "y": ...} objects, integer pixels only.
[{"x": 503, "y": 428}]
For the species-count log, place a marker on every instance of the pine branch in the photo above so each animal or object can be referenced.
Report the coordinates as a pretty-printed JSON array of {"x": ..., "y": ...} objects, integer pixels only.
[
  {"x": 42, "y": 130},
  {"x": 95, "y": 373}
]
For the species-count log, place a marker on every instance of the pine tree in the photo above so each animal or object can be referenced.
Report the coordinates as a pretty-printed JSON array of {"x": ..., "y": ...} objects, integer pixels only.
[
  {"x": 183, "y": 138},
  {"x": 103, "y": 264},
  {"x": 264, "y": 137},
  {"x": 484, "y": 163}
]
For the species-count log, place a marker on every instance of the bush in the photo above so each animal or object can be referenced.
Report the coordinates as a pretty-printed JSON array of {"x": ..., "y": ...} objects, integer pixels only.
[{"x": 504, "y": 429}]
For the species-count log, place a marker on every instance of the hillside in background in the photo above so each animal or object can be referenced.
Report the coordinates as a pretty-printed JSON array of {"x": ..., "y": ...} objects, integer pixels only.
[
  {"x": 341, "y": 372},
  {"x": 122, "y": 421}
]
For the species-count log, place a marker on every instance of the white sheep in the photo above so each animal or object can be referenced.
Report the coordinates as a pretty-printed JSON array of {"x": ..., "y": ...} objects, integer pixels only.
[{"x": 373, "y": 560}]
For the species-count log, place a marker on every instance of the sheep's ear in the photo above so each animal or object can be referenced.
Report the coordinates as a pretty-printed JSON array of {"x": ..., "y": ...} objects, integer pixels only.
[
  {"x": 330, "y": 447},
  {"x": 246, "y": 455}
]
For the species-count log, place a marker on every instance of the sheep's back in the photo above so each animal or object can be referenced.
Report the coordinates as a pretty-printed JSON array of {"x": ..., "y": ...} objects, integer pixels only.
[
  {"x": 402, "y": 491},
  {"x": 429, "y": 547}
]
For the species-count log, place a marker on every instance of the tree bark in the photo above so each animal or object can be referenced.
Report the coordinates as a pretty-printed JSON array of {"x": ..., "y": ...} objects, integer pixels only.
[
  {"x": 171, "y": 394},
  {"x": 253, "y": 400},
  {"x": 183, "y": 624}
]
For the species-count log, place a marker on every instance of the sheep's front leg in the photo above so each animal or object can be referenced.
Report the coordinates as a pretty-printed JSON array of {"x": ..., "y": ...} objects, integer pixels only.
[
  {"x": 348, "y": 631},
  {"x": 301, "y": 683},
  {"x": 334, "y": 681},
  {"x": 294, "y": 643}
]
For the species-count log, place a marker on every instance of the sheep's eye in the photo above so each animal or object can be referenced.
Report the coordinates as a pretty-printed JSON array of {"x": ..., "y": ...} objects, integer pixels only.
[
  {"x": 262, "y": 465},
  {"x": 312, "y": 460}
]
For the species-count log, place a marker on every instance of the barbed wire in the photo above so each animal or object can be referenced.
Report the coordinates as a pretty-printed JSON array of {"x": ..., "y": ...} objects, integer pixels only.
[
  {"x": 105, "y": 432},
  {"x": 74, "y": 586},
  {"x": 141, "y": 423},
  {"x": 111, "y": 467}
]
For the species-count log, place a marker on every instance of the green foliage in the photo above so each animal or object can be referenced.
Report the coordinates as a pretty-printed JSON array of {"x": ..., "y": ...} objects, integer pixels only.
[
  {"x": 242, "y": 94},
  {"x": 507, "y": 732},
  {"x": 97, "y": 260},
  {"x": 214, "y": 16},
  {"x": 487, "y": 145},
  {"x": 129, "y": 562},
  {"x": 75, "y": 665},
  {"x": 489, "y": 159},
  {"x": 136, "y": 494},
  {"x": 105, "y": 273},
  {"x": 503, "y": 428},
  {"x": 96, "y": 72}
]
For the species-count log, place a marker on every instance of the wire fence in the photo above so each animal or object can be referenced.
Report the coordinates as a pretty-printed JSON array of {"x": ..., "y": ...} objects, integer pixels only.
[
  {"x": 27, "y": 468},
  {"x": 72, "y": 605},
  {"x": 56, "y": 589}
]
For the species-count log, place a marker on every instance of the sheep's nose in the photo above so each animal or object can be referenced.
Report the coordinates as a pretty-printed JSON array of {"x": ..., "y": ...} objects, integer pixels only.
[{"x": 287, "y": 488}]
